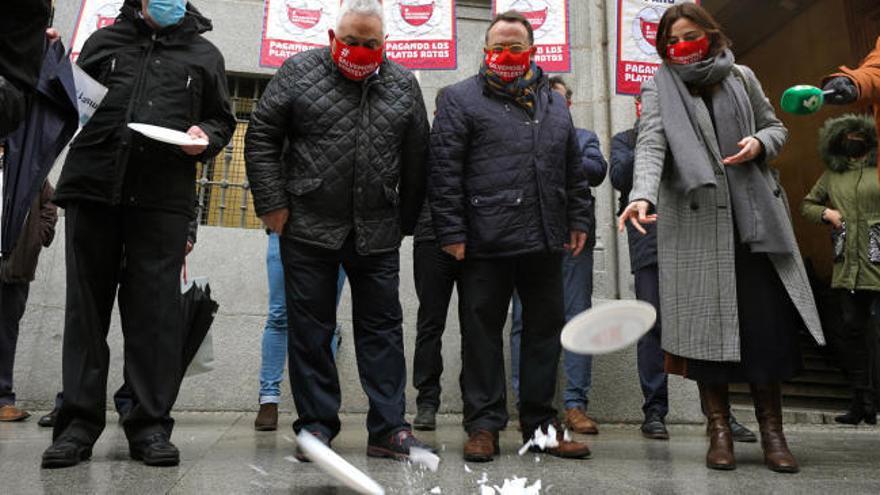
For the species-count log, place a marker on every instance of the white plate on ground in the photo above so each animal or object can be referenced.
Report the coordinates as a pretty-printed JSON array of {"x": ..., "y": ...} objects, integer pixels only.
[
  {"x": 166, "y": 135},
  {"x": 334, "y": 465},
  {"x": 609, "y": 327}
]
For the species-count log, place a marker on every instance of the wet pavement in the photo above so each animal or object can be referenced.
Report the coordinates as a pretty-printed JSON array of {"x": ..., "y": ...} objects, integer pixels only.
[{"x": 221, "y": 453}]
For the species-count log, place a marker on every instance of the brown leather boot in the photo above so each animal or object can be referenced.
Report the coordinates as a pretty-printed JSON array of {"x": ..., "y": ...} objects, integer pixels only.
[
  {"x": 566, "y": 449},
  {"x": 716, "y": 407},
  {"x": 768, "y": 411},
  {"x": 576, "y": 420},
  {"x": 267, "y": 418},
  {"x": 481, "y": 446}
]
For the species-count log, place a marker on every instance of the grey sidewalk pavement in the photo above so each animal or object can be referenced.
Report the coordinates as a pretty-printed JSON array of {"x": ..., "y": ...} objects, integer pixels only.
[{"x": 222, "y": 454}]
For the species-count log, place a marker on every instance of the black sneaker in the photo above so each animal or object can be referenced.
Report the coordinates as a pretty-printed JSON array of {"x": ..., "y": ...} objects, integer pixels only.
[
  {"x": 654, "y": 428},
  {"x": 155, "y": 450},
  {"x": 66, "y": 451},
  {"x": 397, "y": 445},
  {"x": 301, "y": 456},
  {"x": 740, "y": 433},
  {"x": 48, "y": 421},
  {"x": 426, "y": 419}
]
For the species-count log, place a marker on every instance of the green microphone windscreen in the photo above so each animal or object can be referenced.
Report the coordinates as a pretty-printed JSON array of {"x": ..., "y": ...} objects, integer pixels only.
[{"x": 802, "y": 100}]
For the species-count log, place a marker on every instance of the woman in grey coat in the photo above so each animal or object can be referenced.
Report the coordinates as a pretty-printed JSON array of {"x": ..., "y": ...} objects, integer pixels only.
[{"x": 732, "y": 284}]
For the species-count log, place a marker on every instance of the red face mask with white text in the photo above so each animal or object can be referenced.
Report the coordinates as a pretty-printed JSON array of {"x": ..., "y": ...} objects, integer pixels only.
[
  {"x": 688, "y": 52},
  {"x": 508, "y": 65},
  {"x": 355, "y": 62}
]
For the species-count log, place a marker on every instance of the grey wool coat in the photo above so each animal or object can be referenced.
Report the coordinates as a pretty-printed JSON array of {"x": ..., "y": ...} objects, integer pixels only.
[{"x": 696, "y": 234}]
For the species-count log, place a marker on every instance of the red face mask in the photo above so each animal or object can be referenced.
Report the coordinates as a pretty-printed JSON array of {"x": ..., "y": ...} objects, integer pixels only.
[
  {"x": 508, "y": 65},
  {"x": 688, "y": 52},
  {"x": 355, "y": 62},
  {"x": 638, "y": 109}
]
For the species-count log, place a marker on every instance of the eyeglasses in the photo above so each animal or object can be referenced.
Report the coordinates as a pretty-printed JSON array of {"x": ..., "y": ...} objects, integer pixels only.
[
  {"x": 370, "y": 44},
  {"x": 514, "y": 48}
]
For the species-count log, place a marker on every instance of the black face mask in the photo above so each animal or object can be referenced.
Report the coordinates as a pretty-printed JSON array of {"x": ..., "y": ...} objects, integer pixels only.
[{"x": 855, "y": 148}]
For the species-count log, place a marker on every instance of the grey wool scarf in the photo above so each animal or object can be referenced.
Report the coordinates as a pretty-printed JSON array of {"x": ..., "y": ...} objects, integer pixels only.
[{"x": 755, "y": 196}]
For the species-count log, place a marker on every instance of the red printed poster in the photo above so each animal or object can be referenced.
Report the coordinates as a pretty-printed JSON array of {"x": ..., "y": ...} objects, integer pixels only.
[
  {"x": 421, "y": 33},
  {"x": 549, "y": 19},
  {"x": 294, "y": 26},
  {"x": 93, "y": 15},
  {"x": 637, "y": 59}
]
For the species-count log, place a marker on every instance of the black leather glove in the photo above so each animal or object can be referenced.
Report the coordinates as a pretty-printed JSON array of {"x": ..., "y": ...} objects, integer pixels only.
[{"x": 845, "y": 91}]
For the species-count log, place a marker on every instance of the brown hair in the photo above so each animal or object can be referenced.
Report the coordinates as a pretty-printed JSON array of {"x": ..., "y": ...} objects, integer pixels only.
[
  {"x": 699, "y": 16},
  {"x": 559, "y": 81},
  {"x": 512, "y": 16}
]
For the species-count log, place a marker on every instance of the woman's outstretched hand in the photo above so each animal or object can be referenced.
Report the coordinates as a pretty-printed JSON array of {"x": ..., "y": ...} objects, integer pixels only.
[{"x": 637, "y": 214}]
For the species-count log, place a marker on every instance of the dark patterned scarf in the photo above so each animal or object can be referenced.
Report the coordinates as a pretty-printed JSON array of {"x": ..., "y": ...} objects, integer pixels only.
[{"x": 521, "y": 90}]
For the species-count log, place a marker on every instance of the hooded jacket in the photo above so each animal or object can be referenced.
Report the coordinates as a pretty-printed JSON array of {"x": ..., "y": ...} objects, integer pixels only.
[
  {"x": 171, "y": 77},
  {"x": 851, "y": 187}
]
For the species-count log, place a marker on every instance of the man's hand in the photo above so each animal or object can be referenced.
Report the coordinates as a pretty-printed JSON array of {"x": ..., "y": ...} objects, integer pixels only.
[
  {"x": 750, "y": 149},
  {"x": 455, "y": 250},
  {"x": 52, "y": 35},
  {"x": 195, "y": 132},
  {"x": 833, "y": 217},
  {"x": 189, "y": 248},
  {"x": 577, "y": 241},
  {"x": 276, "y": 220},
  {"x": 637, "y": 214},
  {"x": 845, "y": 91}
]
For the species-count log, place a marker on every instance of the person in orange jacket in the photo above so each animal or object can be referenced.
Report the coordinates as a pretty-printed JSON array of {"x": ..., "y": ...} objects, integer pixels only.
[{"x": 861, "y": 85}]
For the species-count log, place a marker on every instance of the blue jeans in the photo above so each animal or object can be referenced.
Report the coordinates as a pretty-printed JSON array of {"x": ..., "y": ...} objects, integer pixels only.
[
  {"x": 577, "y": 276},
  {"x": 274, "y": 353}
]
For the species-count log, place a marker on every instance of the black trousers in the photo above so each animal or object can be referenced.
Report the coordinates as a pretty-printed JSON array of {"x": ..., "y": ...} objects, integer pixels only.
[
  {"x": 435, "y": 274},
  {"x": 652, "y": 375},
  {"x": 139, "y": 252},
  {"x": 486, "y": 287},
  {"x": 310, "y": 275},
  {"x": 858, "y": 340},
  {"x": 13, "y": 301}
]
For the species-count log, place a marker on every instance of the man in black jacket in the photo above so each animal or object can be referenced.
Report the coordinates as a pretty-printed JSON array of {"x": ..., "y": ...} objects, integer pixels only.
[
  {"x": 336, "y": 152},
  {"x": 128, "y": 198},
  {"x": 508, "y": 194}
]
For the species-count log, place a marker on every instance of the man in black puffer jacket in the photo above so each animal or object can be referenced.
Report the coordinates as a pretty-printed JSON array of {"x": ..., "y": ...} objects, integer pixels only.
[
  {"x": 128, "y": 203},
  {"x": 508, "y": 193},
  {"x": 336, "y": 152}
]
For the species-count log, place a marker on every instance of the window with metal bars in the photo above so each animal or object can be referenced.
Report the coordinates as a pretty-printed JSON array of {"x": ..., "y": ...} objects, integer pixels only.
[{"x": 222, "y": 189}]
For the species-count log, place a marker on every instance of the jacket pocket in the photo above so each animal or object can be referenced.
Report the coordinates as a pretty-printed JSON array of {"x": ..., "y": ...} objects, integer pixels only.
[
  {"x": 488, "y": 204},
  {"x": 874, "y": 243},
  {"x": 302, "y": 187},
  {"x": 838, "y": 243}
]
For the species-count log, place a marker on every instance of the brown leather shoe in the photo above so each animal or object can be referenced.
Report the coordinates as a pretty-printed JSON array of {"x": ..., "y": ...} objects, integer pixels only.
[
  {"x": 576, "y": 420},
  {"x": 12, "y": 413},
  {"x": 267, "y": 418},
  {"x": 768, "y": 411},
  {"x": 481, "y": 446},
  {"x": 716, "y": 405},
  {"x": 566, "y": 449}
]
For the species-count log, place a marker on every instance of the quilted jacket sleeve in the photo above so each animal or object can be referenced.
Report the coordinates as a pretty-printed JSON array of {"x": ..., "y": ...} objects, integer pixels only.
[
  {"x": 577, "y": 185},
  {"x": 447, "y": 156},
  {"x": 622, "y": 160},
  {"x": 591, "y": 152},
  {"x": 413, "y": 163},
  {"x": 264, "y": 141}
]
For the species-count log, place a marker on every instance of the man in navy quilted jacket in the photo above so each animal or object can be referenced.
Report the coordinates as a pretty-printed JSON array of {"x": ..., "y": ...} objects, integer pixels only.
[{"x": 508, "y": 195}]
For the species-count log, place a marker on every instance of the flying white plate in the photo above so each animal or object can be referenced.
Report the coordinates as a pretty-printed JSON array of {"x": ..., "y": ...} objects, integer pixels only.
[
  {"x": 609, "y": 327},
  {"x": 336, "y": 466},
  {"x": 166, "y": 135}
]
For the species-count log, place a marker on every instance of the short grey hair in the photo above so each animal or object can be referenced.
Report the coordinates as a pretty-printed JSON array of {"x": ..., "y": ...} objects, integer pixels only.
[{"x": 361, "y": 7}]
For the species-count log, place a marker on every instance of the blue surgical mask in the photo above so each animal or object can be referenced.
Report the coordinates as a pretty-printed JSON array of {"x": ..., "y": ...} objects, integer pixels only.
[{"x": 166, "y": 12}]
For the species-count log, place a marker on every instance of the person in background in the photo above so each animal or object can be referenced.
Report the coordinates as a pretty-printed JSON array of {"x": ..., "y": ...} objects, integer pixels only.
[
  {"x": 508, "y": 194},
  {"x": 847, "y": 198},
  {"x": 643, "y": 263},
  {"x": 275, "y": 333},
  {"x": 128, "y": 201},
  {"x": 860, "y": 85},
  {"x": 577, "y": 276},
  {"x": 436, "y": 273},
  {"x": 17, "y": 271},
  {"x": 734, "y": 292},
  {"x": 350, "y": 185}
]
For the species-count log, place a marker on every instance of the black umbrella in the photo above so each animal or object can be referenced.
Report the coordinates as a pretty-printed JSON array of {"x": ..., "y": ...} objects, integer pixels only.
[
  {"x": 52, "y": 118},
  {"x": 199, "y": 311}
]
